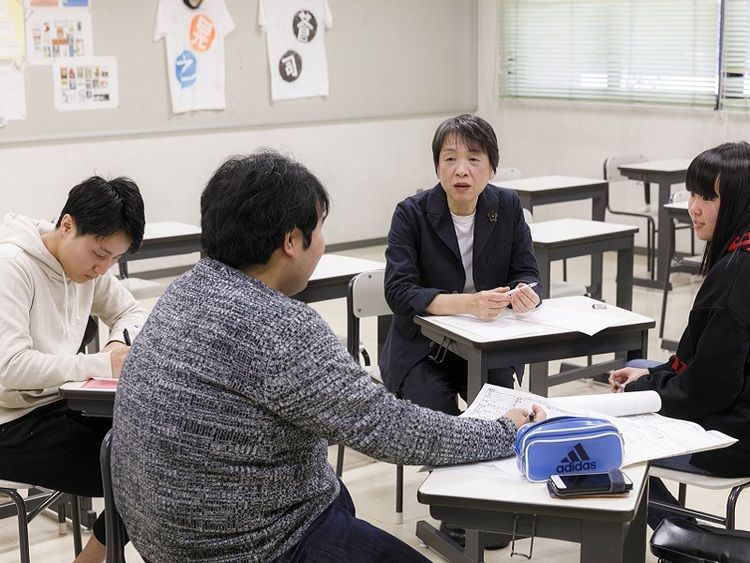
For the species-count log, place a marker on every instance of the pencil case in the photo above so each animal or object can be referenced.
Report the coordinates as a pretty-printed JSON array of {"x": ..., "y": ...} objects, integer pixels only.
[{"x": 568, "y": 444}]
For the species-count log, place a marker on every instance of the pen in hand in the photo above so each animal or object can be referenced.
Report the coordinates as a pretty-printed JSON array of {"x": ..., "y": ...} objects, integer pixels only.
[
  {"x": 126, "y": 335},
  {"x": 517, "y": 289}
]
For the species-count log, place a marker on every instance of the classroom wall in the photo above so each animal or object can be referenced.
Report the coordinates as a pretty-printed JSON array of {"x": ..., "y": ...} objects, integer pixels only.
[
  {"x": 367, "y": 166},
  {"x": 543, "y": 138}
]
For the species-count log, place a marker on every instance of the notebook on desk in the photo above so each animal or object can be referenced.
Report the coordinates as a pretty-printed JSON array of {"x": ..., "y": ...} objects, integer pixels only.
[{"x": 100, "y": 383}]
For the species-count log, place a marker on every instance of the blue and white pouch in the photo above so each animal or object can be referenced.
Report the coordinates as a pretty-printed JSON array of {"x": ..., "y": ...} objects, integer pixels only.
[{"x": 568, "y": 444}]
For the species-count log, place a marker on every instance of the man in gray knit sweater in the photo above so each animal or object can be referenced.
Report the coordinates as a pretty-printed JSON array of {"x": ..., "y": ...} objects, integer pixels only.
[{"x": 233, "y": 389}]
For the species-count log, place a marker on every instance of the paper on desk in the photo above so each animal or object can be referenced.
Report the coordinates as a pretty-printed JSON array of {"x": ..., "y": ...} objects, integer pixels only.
[
  {"x": 646, "y": 434},
  {"x": 502, "y": 327},
  {"x": 587, "y": 323}
]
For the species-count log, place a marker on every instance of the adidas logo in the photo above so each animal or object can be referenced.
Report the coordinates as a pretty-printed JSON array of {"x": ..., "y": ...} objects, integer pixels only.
[{"x": 577, "y": 460}]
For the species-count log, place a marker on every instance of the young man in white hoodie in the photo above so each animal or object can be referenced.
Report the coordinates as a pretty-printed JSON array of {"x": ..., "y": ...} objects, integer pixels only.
[{"x": 52, "y": 277}]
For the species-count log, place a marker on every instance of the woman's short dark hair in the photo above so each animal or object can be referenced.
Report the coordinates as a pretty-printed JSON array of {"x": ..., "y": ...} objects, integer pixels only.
[
  {"x": 473, "y": 131},
  {"x": 727, "y": 166},
  {"x": 102, "y": 208},
  {"x": 252, "y": 202}
]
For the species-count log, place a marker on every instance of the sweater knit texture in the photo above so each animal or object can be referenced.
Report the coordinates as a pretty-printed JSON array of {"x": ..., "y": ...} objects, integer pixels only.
[{"x": 223, "y": 413}]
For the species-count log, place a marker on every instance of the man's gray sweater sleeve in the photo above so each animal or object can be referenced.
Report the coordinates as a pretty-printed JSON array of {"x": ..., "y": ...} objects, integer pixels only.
[{"x": 324, "y": 391}]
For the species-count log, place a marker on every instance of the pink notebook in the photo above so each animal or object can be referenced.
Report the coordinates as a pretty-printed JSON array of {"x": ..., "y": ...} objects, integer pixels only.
[{"x": 100, "y": 384}]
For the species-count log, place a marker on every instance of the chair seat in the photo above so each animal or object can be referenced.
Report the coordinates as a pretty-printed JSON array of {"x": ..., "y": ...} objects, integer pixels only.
[
  {"x": 14, "y": 485},
  {"x": 142, "y": 289},
  {"x": 374, "y": 372},
  {"x": 704, "y": 481}
]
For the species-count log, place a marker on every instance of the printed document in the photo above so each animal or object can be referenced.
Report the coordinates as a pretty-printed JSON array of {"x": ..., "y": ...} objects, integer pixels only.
[{"x": 647, "y": 435}]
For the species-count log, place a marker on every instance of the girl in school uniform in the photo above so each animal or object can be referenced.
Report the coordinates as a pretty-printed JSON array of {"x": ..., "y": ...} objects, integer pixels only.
[{"x": 708, "y": 379}]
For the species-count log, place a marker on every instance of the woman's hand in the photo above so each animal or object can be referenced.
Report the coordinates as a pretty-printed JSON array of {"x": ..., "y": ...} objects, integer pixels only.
[
  {"x": 524, "y": 299},
  {"x": 489, "y": 304},
  {"x": 619, "y": 378}
]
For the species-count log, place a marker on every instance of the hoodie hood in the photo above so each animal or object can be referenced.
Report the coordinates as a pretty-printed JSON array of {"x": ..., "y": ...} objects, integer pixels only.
[{"x": 26, "y": 234}]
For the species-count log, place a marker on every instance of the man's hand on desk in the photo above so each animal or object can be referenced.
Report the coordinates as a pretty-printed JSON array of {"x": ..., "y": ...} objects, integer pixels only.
[
  {"x": 524, "y": 416},
  {"x": 118, "y": 353}
]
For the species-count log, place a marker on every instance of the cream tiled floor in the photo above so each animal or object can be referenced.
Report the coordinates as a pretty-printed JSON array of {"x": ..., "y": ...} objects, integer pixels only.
[{"x": 372, "y": 483}]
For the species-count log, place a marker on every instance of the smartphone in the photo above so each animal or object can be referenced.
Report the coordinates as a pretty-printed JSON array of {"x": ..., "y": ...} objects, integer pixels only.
[{"x": 584, "y": 484}]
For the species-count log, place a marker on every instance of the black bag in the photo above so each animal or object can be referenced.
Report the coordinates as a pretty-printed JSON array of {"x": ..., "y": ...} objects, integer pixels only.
[{"x": 682, "y": 541}]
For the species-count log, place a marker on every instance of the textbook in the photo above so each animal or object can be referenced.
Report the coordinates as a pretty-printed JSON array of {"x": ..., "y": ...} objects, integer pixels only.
[{"x": 647, "y": 435}]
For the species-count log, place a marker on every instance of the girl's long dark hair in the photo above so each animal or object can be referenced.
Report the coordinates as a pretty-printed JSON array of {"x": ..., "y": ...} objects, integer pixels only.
[{"x": 728, "y": 167}]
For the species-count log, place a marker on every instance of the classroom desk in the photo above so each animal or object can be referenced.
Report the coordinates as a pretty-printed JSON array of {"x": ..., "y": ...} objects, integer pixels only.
[
  {"x": 665, "y": 173},
  {"x": 165, "y": 238},
  {"x": 556, "y": 189},
  {"x": 329, "y": 281},
  {"x": 332, "y": 275},
  {"x": 543, "y": 190},
  {"x": 629, "y": 339},
  {"x": 610, "y": 530},
  {"x": 568, "y": 238}
]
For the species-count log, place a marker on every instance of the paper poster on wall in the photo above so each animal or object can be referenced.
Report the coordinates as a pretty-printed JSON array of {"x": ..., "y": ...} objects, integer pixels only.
[
  {"x": 12, "y": 93},
  {"x": 86, "y": 83},
  {"x": 195, "y": 52},
  {"x": 11, "y": 30},
  {"x": 295, "y": 42},
  {"x": 58, "y": 34},
  {"x": 58, "y": 3}
]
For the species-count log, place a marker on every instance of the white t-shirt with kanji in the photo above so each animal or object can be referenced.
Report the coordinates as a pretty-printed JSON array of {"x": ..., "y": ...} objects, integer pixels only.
[
  {"x": 295, "y": 40},
  {"x": 195, "y": 52}
]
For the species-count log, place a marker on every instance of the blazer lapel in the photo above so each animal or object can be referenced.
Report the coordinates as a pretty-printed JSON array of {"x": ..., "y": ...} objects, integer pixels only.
[
  {"x": 485, "y": 220},
  {"x": 440, "y": 218}
]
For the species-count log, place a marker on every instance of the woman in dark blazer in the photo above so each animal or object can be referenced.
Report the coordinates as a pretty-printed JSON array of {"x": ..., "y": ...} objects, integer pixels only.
[{"x": 456, "y": 248}]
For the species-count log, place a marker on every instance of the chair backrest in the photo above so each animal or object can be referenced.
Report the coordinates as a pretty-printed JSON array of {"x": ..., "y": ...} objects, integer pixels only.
[
  {"x": 365, "y": 298},
  {"x": 528, "y": 216},
  {"x": 507, "y": 173},
  {"x": 114, "y": 526},
  {"x": 611, "y": 171}
]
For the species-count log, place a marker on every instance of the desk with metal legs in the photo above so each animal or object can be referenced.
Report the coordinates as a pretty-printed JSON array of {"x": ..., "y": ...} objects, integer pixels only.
[
  {"x": 664, "y": 173},
  {"x": 610, "y": 530},
  {"x": 484, "y": 353},
  {"x": 568, "y": 238},
  {"x": 543, "y": 190},
  {"x": 164, "y": 238}
]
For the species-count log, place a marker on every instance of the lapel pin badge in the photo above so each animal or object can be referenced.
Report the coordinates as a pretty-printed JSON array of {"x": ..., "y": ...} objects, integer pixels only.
[{"x": 492, "y": 216}]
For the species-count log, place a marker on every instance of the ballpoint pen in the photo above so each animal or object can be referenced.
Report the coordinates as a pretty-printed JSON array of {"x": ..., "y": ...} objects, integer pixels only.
[{"x": 126, "y": 335}]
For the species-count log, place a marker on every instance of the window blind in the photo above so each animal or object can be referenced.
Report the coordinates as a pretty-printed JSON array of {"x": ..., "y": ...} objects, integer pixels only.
[
  {"x": 647, "y": 51},
  {"x": 736, "y": 55}
]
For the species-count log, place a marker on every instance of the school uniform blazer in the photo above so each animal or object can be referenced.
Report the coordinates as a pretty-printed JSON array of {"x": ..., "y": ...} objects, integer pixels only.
[{"x": 423, "y": 260}]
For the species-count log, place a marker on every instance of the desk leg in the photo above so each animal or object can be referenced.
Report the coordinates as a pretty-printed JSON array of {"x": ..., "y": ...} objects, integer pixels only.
[
  {"x": 662, "y": 244},
  {"x": 598, "y": 213},
  {"x": 625, "y": 278},
  {"x": 539, "y": 378},
  {"x": 545, "y": 274},
  {"x": 477, "y": 374}
]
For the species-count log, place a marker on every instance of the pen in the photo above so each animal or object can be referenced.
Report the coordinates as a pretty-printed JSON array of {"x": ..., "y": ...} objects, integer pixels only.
[
  {"x": 126, "y": 335},
  {"x": 532, "y": 416},
  {"x": 515, "y": 289}
]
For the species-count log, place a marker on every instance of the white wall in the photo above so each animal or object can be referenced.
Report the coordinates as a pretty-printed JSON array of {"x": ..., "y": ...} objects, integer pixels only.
[
  {"x": 367, "y": 166},
  {"x": 573, "y": 139}
]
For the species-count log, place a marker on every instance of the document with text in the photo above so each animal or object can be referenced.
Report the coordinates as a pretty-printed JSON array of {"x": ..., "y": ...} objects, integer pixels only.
[{"x": 647, "y": 435}]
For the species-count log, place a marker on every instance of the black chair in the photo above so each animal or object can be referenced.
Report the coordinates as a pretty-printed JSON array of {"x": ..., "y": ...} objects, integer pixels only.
[
  {"x": 677, "y": 540},
  {"x": 114, "y": 526}
]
